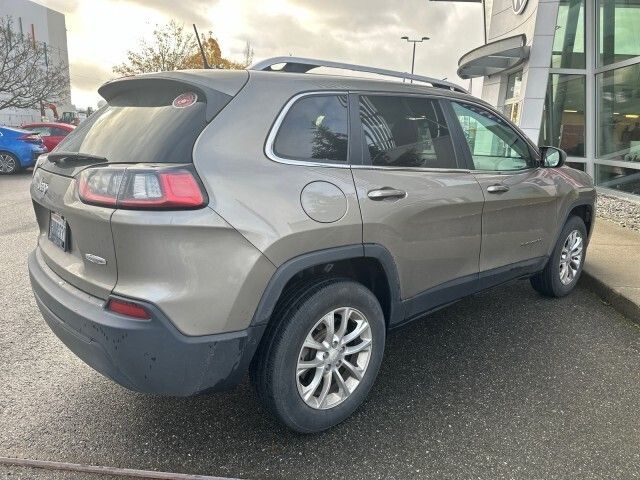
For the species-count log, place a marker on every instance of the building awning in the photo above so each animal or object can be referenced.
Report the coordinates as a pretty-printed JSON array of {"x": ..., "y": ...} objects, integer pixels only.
[{"x": 493, "y": 57}]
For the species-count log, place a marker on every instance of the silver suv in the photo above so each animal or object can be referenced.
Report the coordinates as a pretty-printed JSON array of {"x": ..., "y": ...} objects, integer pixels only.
[{"x": 205, "y": 224}]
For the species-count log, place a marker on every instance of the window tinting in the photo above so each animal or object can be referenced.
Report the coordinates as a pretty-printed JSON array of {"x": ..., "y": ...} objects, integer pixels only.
[
  {"x": 315, "y": 129},
  {"x": 406, "y": 132},
  {"x": 141, "y": 125},
  {"x": 493, "y": 143}
]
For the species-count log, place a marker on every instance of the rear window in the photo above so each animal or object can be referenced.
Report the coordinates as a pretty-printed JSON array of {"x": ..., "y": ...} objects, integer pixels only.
[
  {"x": 157, "y": 124},
  {"x": 315, "y": 129}
]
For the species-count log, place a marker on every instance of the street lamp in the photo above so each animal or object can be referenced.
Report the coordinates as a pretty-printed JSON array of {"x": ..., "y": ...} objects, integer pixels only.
[{"x": 414, "y": 41}]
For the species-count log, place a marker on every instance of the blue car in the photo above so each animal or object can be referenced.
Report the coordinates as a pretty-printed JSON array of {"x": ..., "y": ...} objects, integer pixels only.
[{"x": 18, "y": 149}]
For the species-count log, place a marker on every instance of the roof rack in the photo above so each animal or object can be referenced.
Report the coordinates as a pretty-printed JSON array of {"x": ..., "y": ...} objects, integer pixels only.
[{"x": 303, "y": 65}]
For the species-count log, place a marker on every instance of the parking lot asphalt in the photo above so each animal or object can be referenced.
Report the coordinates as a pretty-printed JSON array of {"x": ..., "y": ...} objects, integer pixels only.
[{"x": 502, "y": 385}]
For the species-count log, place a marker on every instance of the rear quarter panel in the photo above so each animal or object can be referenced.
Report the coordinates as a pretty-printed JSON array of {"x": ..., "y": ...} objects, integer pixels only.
[
  {"x": 192, "y": 265},
  {"x": 261, "y": 197}
]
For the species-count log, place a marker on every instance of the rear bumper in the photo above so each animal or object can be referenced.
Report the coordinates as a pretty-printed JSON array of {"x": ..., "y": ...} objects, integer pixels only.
[{"x": 145, "y": 356}]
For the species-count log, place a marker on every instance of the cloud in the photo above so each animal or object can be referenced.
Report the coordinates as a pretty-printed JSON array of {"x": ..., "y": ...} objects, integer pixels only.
[
  {"x": 357, "y": 31},
  {"x": 62, "y": 6},
  {"x": 188, "y": 11},
  {"x": 88, "y": 76}
]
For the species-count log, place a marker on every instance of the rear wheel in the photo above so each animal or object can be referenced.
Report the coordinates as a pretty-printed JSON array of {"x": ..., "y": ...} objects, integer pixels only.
[
  {"x": 564, "y": 267},
  {"x": 8, "y": 163},
  {"x": 320, "y": 361}
]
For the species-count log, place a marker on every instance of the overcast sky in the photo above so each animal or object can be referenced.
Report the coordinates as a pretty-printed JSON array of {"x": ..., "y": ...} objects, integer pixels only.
[{"x": 99, "y": 32}]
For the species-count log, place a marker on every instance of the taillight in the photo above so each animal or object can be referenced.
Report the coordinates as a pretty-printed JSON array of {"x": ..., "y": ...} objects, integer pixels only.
[
  {"x": 128, "y": 309},
  {"x": 141, "y": 188},
  {"x": 31, "y": 138}
]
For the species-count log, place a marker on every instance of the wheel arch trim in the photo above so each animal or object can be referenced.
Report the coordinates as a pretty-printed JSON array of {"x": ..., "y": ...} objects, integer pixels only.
[
  {"x": 580, "y": 202},
  {"x": 291, "y": 267}
]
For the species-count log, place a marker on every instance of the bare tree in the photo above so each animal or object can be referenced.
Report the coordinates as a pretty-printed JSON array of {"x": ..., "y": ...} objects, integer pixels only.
[
  {"x": 27, "y": 78},
  {"x": 248, "y": 54}
]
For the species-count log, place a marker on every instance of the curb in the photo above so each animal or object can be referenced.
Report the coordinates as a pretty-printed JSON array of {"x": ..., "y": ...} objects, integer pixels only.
[
  {"x": 109, "y": 471},
  {"x": 622, "y": 304}
]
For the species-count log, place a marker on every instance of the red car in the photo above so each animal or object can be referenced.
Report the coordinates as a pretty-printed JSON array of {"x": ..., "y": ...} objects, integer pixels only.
[{"x": 51, "y": 133}]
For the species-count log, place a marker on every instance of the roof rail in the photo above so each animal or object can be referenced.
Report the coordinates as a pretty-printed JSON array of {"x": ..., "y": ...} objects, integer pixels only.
[{"x": 303, "y": 65}]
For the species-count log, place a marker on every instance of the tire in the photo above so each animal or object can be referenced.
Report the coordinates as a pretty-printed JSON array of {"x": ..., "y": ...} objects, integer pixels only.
[
  {"x": 275, "y": 368},
  {"x": 553, "y": 281},
  {"x": 9, "y": 163}
]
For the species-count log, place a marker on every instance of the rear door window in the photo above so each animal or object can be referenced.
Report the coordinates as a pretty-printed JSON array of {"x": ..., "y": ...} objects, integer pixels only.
[
  {"x": 315, "y": 129},
  {"x": 405, "y": 132}
]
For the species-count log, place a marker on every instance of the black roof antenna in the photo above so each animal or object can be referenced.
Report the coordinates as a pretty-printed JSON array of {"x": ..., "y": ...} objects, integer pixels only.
[{"x": 204, "y": 57}]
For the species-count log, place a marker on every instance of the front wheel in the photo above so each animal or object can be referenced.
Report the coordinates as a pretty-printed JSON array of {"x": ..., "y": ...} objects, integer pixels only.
[
  {"x": 564, "y": 267},
  {"x": 321, "y": 360}
]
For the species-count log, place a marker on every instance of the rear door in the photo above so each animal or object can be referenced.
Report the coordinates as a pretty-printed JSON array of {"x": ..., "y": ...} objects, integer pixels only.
[
  {"x": 416, "y": 199},
  {"x": 152, "y": 122},
  {"x": 519, "y": 216}
]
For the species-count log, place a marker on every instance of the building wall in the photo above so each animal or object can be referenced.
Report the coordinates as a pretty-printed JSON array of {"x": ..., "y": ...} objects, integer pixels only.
[
  {"x": 537, "y": 23},
  {"x": 49, "y": 27},
  {"x": 580, "y": 87}
]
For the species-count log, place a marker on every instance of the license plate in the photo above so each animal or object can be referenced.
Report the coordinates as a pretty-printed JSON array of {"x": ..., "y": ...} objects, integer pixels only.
[{"x": 58, "y": 231}]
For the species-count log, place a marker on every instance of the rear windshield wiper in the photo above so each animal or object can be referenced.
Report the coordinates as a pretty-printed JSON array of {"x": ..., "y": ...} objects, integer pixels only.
[{"x": 63, "y": 157}]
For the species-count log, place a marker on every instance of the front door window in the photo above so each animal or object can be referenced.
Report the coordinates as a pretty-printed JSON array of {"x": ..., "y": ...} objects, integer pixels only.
[{"x": 494, "y": 145}]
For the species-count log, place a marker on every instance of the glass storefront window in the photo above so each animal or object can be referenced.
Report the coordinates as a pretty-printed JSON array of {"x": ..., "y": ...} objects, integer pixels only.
[
  {"x": 618, "y": 178},
  {"x": 512, "y": 101},
  {"x": 618, "y": 110},
  {"x": 568, "y": 43},
  {"x": 619, "y": 32},
  {"x": 514, "y": 84},
  {"x": 563, "y": 119}
]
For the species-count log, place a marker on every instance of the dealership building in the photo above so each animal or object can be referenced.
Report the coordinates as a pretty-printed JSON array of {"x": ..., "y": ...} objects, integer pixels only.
[{"x": 568, "y": 73}]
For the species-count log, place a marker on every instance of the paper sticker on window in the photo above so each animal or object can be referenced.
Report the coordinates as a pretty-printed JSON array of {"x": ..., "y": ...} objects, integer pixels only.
[{"x": 185, "y": 100}]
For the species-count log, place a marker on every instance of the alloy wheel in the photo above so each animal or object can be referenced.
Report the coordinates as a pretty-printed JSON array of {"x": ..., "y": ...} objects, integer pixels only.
[
  {"x": 334, "y": 358},
  {"x": 571, "y": 257},
  {"x": 7, "y": 163}
]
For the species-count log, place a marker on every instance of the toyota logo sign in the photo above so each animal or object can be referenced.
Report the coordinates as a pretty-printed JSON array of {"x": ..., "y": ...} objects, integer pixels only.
[{"x": 519, "y": 6}]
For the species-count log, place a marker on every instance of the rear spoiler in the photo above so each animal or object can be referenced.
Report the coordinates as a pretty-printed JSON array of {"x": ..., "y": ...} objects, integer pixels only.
[{"x": 217, "y": 86}]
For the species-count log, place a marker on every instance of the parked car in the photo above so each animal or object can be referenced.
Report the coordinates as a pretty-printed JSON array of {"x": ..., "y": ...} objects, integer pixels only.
[
  {"x": 18, "y": 149},
  {"x": 51, "y": 133},
  {"x": 210, "y": 223}
]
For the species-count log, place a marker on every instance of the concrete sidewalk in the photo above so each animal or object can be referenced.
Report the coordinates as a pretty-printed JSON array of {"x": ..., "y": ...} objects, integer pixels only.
[{"x": 612, "y": 267}]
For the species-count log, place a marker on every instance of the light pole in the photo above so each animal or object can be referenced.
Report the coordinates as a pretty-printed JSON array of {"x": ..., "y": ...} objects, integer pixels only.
[{"x": 414, "y": 41}]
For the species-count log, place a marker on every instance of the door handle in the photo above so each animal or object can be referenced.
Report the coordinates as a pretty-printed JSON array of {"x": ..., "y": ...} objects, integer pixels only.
[
  {"x": 497, "y": 189},
  {"x": 385, "y": 193}
]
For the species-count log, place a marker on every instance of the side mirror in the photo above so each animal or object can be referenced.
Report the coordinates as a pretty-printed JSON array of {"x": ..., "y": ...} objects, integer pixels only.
[{"x": 552, "y": 157}]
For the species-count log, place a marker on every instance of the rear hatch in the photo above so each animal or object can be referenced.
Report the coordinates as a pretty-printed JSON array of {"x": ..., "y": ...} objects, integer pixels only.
[{"x": 150, "y": 123}]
